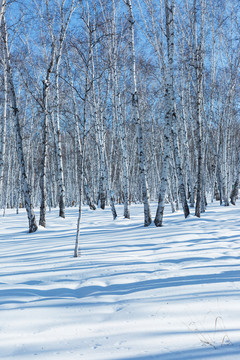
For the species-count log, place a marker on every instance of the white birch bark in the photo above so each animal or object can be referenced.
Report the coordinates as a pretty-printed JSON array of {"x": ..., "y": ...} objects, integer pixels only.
[
  {"x": 101, "y": 150},
  {"x": 126, "y": 212},
  {"x": 184, "y": 138},
  {"x": 234, "y": 192},
  {"x": 4, "y": 122},
  {"x": 98, "y": 119},
  {"x": 43, "y": 181},
  {"x": 2, "y": 9},
  {"x": 62, "y": 36},
  {"x": 61, "y": 186},
  {"x": 216, "y": 152},
  {"x": 7, "y": 190},
  {"x": 179, "y": 171},
  {"x": 136, "y": 118},
  {"x": 81, "y": 149},
  {"x": 82, "y": 154},
  {"x": 171, "y": 196},
  {"x": 81, "y": 174},
  {"x": 120, "y": 115},
  {"x": 169, "y": 112},
  {"x": 26, "y": 188},
  {"x": 87, "y": 193},
  {"x": 198, "y": 63}
]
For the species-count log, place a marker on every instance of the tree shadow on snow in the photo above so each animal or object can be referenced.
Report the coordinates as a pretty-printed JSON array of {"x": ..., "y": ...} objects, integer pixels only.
[
  {"x": 82, "y": 292},
  {"x": 222, "y": 353}
]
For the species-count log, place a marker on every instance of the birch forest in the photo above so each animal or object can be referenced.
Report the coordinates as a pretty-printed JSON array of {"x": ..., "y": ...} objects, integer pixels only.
[{"x": 107, "y": 102}]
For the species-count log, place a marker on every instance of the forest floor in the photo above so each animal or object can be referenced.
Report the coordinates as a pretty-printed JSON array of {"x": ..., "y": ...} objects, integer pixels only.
[{"x": 170, "y": 293}]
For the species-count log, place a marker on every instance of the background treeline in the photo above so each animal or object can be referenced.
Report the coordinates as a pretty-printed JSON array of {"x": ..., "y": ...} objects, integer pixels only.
[{"x": 118, "y": 102}]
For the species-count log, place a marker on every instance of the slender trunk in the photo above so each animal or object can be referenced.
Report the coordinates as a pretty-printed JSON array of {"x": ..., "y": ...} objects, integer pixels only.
[
  {"x": 123, "y": 139},
  {"x": 90, "y": 201},
  {"x": 178, "y": 164},
  {"x": 234, "y": 192},
  {"x": 61, "y": 186},
  {"x": 81, "y": 149},
  {"x": 171, "y": 196},
  {"x": 126, "y": 212},
  {"x": 199, "y": 76},
  {"x": 77, "y": 250},
  {"x": 120, "y": 117},
  {"x": 137, "y": 120},
  {"x": 62, "y": 35},
  {"x": 98, "y": 125},
  {"x": 3, "y": 134},
  {"x": 225, "y": 164},
  {"x": 169, "y": 114},
  {"x": 43, "y": 187},
  {"x": 7, "y": 191},
  {"x": 43, "y": 182},
  {"x": 26, "y": 188},
  {"x": 2, "y": 9},
  {"x": 184, "y": 137}
]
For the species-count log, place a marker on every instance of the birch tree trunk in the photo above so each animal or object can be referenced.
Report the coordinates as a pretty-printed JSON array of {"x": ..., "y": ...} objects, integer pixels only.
[
  {"x": 170, "y": 114},
  {"x": 62, "y": 36},
  {"x": 126, "y": 212},
  {"x": 97, "y": 113},
  {"x": 136, "y": 118},
  {"x": 6, "y": 200},
  {"x": 179, "y": 171},
  {"x": 234, "y": 192},
  {"x": 2, "y": 9},
  {"x": 199, "y": 78},
  {"x": 43, "y": 182},
  {"x": 4, "y": 116},
  {"x": 90, "y": 201},
  {"x": 184, "y": 138},
  {"x": 4, "y": 122},
  {"x": 61, "y": 186},
  {"x": 26, "y": 188},
  {"x": 82, "y": 154},
  {"x": 81, "y": 149},
  {"x": 120, "y": 115}
]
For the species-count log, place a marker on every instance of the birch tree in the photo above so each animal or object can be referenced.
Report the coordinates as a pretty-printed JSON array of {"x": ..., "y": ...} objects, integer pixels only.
[
  {"x": 64, "y": 23},
  {"x": 4, "y": 115},
  {"x": 136, "y": 116},
  {"x": 169, "y": 111},
  {"x": 46, "y": 84},
  {"x": 2, "y": 9},
  {"x": 81, "y": 149},
  {"x": 198, "y": 65},
  {"x": 26, "y": 188},
  {"x": 4, "y": 121}
]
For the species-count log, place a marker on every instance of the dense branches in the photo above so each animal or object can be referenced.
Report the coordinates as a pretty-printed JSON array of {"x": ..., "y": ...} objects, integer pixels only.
[{"x": 109, "y": 101}]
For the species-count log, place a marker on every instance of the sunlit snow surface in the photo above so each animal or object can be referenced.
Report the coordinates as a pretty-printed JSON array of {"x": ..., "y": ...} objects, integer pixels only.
[{"x": 170, "y": 293}]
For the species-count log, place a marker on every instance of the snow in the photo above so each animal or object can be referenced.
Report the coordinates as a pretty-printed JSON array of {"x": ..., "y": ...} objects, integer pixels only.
[{"x": 134, "y": 294}]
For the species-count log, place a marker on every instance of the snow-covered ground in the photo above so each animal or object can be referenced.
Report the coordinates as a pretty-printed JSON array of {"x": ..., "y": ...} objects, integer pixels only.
[{"x": 136, "y": 293}]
